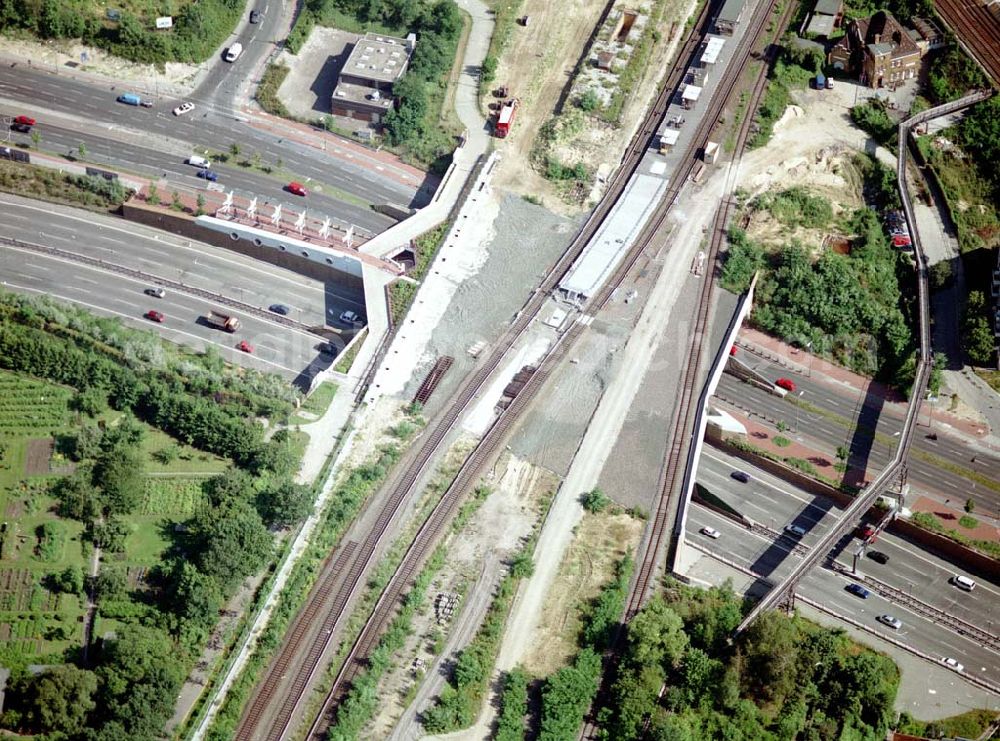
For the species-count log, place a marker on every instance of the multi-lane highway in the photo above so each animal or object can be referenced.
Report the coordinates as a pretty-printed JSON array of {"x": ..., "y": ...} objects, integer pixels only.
[
  {"x": 342, "y": 186},
  {"x": 277, "y": 347},
  {"x": 841, "y": 416},
  {"x": 117, "y": 150},
  {"x": 921, "y": 575}
]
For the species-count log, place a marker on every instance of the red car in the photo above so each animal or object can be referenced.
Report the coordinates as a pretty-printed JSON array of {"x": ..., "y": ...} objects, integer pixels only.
[
  {"x": 24, "y": 121},
  {"x": 866, "y": 531},
  {"x": 297, "y": 189},
  {"x": 786, "y": 384},
  {"x": 732, "y": 350},
  {"x": 245, "y": 347},
  {"x": 155, "y": 316}
]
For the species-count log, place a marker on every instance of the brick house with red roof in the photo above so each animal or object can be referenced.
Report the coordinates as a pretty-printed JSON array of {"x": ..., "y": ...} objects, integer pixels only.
[{"x": 878, "y": 50}]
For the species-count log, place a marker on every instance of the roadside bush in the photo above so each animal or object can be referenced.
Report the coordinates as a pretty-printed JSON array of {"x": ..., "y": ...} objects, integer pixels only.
[
  {"x": 952, "y": 73},
  {"x": 595, "y": 501},
  {"x": 743, "y": 259},
  {"x": 874, "y": 118},
  {"x": 267, "y": 91},
  {"x": 513, "y": 706}
]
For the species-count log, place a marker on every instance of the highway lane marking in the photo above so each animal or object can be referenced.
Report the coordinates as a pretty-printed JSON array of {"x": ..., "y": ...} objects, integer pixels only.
[
  {"x": 266, "y": 320},
  {"x": 158, "y": 244},
  {"x": 814, "y": 574},
  {"x": 151, "y": 325}
]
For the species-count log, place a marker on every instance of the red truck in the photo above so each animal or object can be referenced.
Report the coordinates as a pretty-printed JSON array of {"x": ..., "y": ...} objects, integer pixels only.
[
  {"x": 506, "y": 118},
  {"x": 223, "y": 321}
]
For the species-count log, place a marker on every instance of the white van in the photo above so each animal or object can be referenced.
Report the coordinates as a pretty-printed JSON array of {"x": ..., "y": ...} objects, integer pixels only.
[
  {"x": 963, "y": 582},
  {"x": 198, "y": 161},
  {"x": 233, "y": 52}
]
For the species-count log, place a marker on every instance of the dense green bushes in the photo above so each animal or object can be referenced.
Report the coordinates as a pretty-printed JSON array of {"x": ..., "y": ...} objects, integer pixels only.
[
  {"x": 782, "y": 679},
  {"x": 513, "y": 706},
  {"x": 568, "y": 693},
  {"x": 952, "y": 74},
  {"x": 848, "y": 307},
  {"x": 413, "y": 124},
  {"x": 874, "y": 118},
  {"x": 796, "y": 207},
  {"x": 199, "y": 28}
]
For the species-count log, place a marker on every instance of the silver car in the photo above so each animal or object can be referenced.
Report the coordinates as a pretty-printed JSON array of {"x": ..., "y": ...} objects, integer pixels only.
[{"x": 893, "y": 622}]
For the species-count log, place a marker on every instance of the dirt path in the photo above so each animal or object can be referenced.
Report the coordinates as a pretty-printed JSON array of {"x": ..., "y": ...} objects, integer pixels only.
[{"x": 88, "y": 618}]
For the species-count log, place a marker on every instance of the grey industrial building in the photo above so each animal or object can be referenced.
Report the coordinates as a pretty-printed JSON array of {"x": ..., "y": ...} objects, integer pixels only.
[
  {"x": 364, "y": 87},
  {"x": 729, "y": 16}
]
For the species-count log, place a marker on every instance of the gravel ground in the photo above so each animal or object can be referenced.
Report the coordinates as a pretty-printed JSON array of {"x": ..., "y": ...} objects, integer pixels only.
[
  {"x": 631, "y": 475},
  {"x": 528, "y": 240},
  {"x": 551, "y": 431}
]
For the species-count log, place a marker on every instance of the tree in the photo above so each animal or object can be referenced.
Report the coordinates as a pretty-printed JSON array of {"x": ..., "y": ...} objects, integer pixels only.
[
  {"x": 285, "y": 504},
  {"x": 175, "y": 201},
  {"x": 91, "y": 401},
  {"x": 109, "y": 534},
  {"x": 940, "y": 274},
  {"x": 152, "y": 195},
  {"x": 70, "y": 580},
  {"x": 111, "y": 583},
  {"x": 488, "y": 71},
  {"x": 167, "y": 455},
  {"x": 234, "y": 149},
  {"x": 119, "y": 468},
  {"x": 195, "y": 598},
  {"x": 78, "y": 498},
  {"x": 566, "y": 696},
  {"x": 771, "y": 648},
  {"x": 36, "y": 138},
  {"x": 201, "y": 205},
  {"x": 61, "y": 699},
  {"x": 977, "y": 339},
  {"x": 234, "y": 484},
  {"x": 656, "y": 635},
  {"x": 970, "y": 505},
  {"x": 230, "y": 541},
  {"x": 140, "y": 675},
  {"x": 595, "y": 500},
  {"x": 82, "y": 149}
]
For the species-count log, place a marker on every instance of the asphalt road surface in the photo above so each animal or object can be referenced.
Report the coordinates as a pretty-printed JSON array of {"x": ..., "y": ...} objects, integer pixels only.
[
  {"x": 277, "y": 347},
  {"x": 150, "y": 163},
  {"x": 224, "y": 78},
  {"x": 206, "y": 126},
  {"x": 922, "y": 575},
  {"x": 838, "y": 422}
]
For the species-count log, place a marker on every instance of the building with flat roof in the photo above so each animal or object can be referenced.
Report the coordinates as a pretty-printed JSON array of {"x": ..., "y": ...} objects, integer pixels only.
[
  {"x": 826, "y": 16},
  {"x": 364, "y": 87},
  {"x": 729, "y": 16}
]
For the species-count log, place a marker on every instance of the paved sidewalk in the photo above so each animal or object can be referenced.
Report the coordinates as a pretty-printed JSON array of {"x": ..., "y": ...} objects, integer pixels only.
[{"x": 477, "y": 139}]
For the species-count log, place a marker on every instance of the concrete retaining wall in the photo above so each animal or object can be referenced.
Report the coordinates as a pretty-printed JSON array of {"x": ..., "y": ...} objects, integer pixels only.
[{"x": 185, "y": 226}]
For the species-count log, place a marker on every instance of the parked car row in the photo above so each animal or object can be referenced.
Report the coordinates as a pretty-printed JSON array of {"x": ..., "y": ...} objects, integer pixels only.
[{"x": 899, "y": 231}]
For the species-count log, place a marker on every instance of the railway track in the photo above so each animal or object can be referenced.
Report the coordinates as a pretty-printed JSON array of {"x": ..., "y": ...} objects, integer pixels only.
[
  {"x": 272, "y": 707},
  {"x": 469, "y": 474},
  {"x": 977, "y": 29}
]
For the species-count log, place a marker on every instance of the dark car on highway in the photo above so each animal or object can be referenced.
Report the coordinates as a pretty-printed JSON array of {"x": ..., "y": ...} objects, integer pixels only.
[
  {"x": 857, "y": 590},
  {"x": 278, "y": 309},
  {"x": 741, "y": 476},
  {"x": 878, "y": 557},
  {"x": 208, "y": 175}
]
